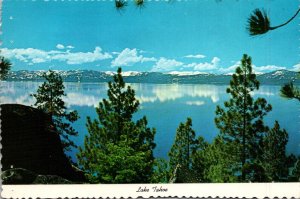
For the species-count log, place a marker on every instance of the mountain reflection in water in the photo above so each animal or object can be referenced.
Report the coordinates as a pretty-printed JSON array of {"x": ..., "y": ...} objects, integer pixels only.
[{"x": 165, "y": 105}]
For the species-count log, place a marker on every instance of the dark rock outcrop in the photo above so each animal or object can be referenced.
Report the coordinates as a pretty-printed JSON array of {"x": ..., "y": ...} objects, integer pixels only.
[
  {"x": 23, "y": 176},
  {"x": 29, "y": 141}
]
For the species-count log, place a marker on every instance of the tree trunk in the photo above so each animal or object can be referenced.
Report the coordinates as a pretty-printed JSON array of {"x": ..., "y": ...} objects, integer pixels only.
[{"x": 244, "y": 129}]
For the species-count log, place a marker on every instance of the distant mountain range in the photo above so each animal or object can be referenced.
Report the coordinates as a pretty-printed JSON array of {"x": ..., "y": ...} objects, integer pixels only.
[{"x": 278, "y": 77}]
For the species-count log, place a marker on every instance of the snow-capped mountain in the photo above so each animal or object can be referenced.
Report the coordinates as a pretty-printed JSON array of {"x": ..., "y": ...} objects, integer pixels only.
[
  {"x": 124, "y": 73},
  {"x": 186, "y": 73},
  {"x": 276, "y": 77}
]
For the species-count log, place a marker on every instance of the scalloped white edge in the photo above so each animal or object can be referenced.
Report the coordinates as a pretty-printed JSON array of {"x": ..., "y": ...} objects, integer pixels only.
[
  {"x": 213, "y": 190},
  {"x": 221, "y": 190}
]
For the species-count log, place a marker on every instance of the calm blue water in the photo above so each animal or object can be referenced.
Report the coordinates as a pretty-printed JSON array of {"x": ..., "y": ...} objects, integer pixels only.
[{"x": 165, "y": 105}]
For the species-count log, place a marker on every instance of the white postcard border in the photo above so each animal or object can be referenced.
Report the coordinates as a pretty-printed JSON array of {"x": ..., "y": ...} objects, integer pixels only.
[
  {"x": 214, "y": 190},
  {"x": 228, "y": 190}
]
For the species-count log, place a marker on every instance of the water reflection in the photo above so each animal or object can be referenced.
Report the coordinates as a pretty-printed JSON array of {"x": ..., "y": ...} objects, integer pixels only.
[
  {"x": 89, "y": 94},
  {"x": 165, "y": 105},
  {"x": 167, "y": 92},
  {"x": 196, "y": 103}
]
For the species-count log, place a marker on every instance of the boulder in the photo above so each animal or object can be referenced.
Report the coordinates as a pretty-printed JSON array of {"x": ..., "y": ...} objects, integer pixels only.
[
  {"x": 30, "y": 141},
  {"x": 24, "y": 176}
]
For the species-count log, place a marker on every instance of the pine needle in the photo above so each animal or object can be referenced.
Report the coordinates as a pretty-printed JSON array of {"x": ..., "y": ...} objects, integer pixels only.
[{"x": 258, "y": 23}]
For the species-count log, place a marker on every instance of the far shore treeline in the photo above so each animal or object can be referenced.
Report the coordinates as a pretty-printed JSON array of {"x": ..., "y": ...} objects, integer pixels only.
[
  {"x": 278, "y": 77},
  {"x": 118, "y": 149}
]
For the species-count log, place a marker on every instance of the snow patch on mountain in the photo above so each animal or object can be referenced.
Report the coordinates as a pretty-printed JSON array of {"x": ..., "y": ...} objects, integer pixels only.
[
  {"x": 130, "y": 73},
  {"x": 277, "y": 73},
  {"x": 255, "y": 72},
  {"x": 110, "y": 73},
  {"x": 124, "y": 73},
  {"x": 185, "y": 73}
]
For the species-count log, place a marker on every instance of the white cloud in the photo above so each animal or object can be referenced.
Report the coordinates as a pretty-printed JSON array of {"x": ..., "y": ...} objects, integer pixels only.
[
  {"x": 70, "y": 47},
  {"x": 268, "y": 68},
  {"x": 38, "y": 60},
  {"x": 148, "y": 59},
  {"x": 230, "y": 69},
  {"x": 82, "y": 57},
  {"x": 296, "y": 67},
  {"x": 256, "y": 69},
  {"x": 164, "y": 64},
  {"x": 33, "y": 56},
  {"x": 215, "y": 61},
  {"x": 21, "y": 58},
  {"x": 60, "y": 46},
  {"x": 129, "y": 57},
  {"x": 143, "y": 51},
  {"x": 25, "y": 55},
  {"x": 204, "y": 66},
  {"x": 198, "y": 56}
]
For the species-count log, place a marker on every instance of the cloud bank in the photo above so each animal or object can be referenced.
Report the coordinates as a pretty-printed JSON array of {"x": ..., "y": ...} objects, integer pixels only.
[
  {"x": 35, "y": 56},
  {"x": 164, "y": 64},
  {"x": 205, "y": 65},
  {"x": 198, "y": 56},
  {"x": 129, "y": 57},
  {"x": 192, "y": 63}
]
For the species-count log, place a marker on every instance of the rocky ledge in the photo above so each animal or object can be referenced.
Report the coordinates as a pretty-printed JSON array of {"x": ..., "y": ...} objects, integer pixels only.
[{"x": 31, "y": 147}]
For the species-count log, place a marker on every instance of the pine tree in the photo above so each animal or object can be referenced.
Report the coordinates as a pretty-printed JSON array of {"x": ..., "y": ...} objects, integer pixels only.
[
  {"x": 199, "y": 160},
  {"x": 5, "y": 66},
  {"x": 216, "y": 166},
  {"x": 118, "y": 149},
  {"x": 161, "y": 171},
  {"x": 182, "y": 152},
  {"x": 274, "y": 154},
  {"x": 296, "y": 170},
  {"x": 259, "y": 22},
  {"x": 49, "y": 99},
  {"x": 241, "y": 121}
]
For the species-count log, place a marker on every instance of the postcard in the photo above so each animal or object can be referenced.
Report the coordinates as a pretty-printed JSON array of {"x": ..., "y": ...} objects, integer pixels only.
[{"x": 150, "y": 98}]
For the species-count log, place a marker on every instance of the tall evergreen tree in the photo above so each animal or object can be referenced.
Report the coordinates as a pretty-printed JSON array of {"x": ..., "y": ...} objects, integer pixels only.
[
  {"x": 274, "y": 154},
  {"x": 118, "y": 149},
  {"x": 5, "y": 66},
  {"x": 199, "y": 160},
  {"x": 49, "y": 99},
  {"x": 216, "y": 167},
  {"x": 182, "y": 152},
  {"x": 241, "y": 121}
]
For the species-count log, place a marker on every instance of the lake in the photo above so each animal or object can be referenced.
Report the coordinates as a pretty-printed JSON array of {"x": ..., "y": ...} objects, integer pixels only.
[{"x": 165, "y": 105}]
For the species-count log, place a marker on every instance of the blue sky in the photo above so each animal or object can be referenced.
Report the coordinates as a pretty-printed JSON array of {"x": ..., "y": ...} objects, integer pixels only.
[{"x": 187, "y": 36}]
